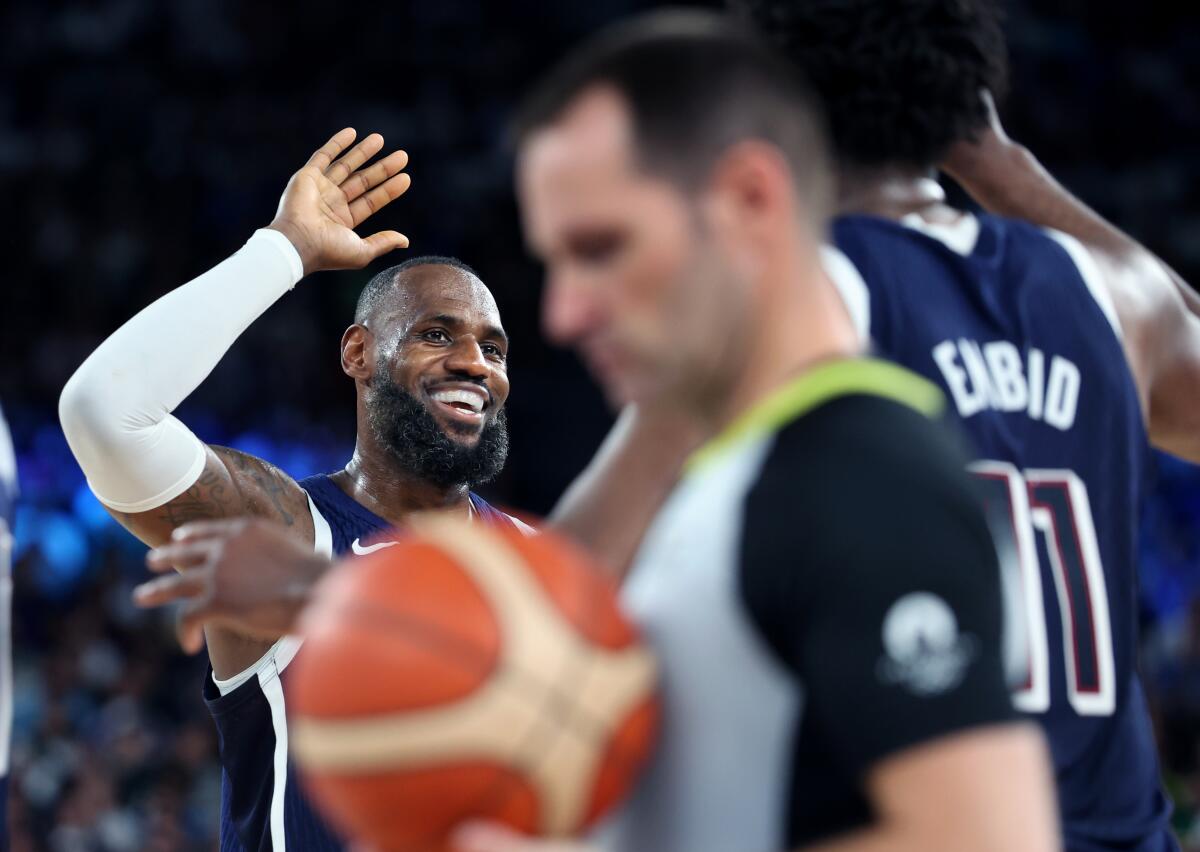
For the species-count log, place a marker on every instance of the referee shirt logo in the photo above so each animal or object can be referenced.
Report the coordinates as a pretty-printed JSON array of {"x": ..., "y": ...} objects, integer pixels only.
[{"x": 925, "y": 652}]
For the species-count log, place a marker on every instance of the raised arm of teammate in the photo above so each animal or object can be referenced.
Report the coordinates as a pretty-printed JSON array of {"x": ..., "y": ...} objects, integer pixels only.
[
  {"x": 610, "y": 505},
  {"x": 1158, "y": 312},
  {"x": 146, "y": 466}
]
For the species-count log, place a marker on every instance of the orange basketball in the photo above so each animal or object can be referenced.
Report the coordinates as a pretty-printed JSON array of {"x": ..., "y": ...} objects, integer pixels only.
[{"x": 468, "y": 671}]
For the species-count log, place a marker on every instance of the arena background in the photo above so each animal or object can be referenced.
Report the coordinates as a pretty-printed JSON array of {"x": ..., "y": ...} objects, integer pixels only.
[{"x": 142, "y": 142}]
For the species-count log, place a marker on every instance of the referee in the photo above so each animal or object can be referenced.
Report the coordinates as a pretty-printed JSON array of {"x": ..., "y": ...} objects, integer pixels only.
[{"x": 821, "y": 587}]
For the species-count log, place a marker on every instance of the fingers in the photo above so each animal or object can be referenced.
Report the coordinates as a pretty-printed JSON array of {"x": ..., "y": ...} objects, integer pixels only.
[
  {"x": 215, "y": 528},
  {"x": 486, "y": 837},
  {"x": 378, "y": 198},
  {"x": 377, "y": 245},
  {"x": 164, "y": 590},
  {"x": 355, "y": 185},
  {"x": 189, "y": 587},
  {"x": 481, "y": 836},
  {"x": 181, "y": 555},
  {"x": 325, "y": 155},
  {"x": 359, "y": 154},
  {"x": 189, "y": 627}
]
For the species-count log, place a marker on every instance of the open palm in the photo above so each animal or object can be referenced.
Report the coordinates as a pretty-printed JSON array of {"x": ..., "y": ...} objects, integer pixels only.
[{"x": 329, "y": 197}]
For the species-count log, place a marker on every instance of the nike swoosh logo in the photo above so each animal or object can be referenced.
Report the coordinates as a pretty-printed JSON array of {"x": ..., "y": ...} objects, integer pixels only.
[{"x": 363, "y": 551}]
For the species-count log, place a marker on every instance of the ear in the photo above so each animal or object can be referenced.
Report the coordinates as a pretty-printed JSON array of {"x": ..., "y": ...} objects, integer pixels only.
[
  {"x": 750, "y": 197},
  {"x": 358, "y": 353}
]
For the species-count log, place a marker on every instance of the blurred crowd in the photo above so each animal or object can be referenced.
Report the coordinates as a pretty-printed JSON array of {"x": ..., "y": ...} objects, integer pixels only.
[{"x": 142, "y": 142}]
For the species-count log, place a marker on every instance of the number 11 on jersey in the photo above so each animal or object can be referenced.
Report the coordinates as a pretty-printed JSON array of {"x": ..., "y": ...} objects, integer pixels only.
[{"x": 1054, "y": 504}]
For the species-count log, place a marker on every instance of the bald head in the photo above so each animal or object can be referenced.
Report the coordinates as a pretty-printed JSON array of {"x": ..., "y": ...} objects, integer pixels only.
[{"x": 416, "y": 273}]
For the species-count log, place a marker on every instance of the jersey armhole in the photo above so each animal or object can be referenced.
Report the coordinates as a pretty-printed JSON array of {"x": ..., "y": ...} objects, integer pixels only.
[
  {"x": 1093, "y": 279},
  {"x": 281, "y": 653},
  {"x": 322, "y": 534}
]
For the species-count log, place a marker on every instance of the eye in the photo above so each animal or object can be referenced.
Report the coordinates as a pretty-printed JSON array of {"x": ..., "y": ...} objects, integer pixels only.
[
  {"x": 436, "y": 335},
  {"x": 491, "y": 350},
  {"x": 596, "y": 248}
]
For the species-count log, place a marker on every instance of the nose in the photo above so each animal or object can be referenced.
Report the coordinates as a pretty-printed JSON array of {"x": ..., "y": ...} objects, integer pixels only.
[
  {"x": 466, "y": 358},
  {"x": 570, "y": 310}
]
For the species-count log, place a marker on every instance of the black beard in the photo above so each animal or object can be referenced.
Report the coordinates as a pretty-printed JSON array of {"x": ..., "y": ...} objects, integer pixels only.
[{"x": 413, "y": 437}]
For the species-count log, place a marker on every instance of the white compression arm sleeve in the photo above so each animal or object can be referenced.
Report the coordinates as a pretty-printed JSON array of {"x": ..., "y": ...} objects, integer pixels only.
[{"x": 116, "y": 409}]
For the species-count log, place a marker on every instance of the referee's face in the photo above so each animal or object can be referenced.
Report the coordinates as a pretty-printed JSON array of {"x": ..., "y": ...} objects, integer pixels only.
[{"x": 632, "y": 280}]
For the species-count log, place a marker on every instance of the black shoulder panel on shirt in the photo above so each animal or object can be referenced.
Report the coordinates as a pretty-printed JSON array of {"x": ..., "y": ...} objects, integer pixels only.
[{"x": 867, "y": 565}]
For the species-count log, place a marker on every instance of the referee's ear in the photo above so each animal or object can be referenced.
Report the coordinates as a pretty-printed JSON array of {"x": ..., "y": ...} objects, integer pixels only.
[{"x": 358, "y": 345}]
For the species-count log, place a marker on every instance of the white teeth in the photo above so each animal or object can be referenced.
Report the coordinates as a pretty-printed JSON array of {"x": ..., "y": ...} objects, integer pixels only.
[{"x": 471, "y": 398}]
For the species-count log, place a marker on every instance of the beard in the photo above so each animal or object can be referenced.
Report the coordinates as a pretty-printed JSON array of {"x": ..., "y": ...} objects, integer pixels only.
[{"x": 406, "y": 429}]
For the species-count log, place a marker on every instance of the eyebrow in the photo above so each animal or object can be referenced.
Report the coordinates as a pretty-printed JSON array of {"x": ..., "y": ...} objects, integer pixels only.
[{"x": 489, "y": 332}]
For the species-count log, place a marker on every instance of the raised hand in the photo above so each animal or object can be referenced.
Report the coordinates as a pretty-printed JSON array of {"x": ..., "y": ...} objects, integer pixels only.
[
  {"x": 329, "y": 197},
  {"x": 968, "y": 159},
  {"x": 243, "y": 573}
]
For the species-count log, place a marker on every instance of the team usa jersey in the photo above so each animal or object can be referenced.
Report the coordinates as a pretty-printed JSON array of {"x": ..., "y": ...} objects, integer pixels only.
[
  {"x": 8, "y": 497},
  {"x": 263, "y": 808},
  {"x": 822, "y": 591},
  {"x": 1013, "y": 323}
]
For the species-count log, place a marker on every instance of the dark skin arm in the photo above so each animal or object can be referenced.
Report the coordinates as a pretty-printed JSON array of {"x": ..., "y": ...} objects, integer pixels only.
[
  {"x": 217, "y": 589},
  {"x": 610, "y": 505},
  {"x": 608, "y": 509},
  {"x": 233, "y": 484},
  {"x": 322, "y": 204},
  {"x": 1159, "y": 313}
]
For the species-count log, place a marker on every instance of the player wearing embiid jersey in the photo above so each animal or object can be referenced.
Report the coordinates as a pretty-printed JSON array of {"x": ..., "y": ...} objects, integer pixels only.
[
  {"x": 8, "y": 497},
  {"x": 427, "y": 355},
  {"x": 1057, "y": 339}
]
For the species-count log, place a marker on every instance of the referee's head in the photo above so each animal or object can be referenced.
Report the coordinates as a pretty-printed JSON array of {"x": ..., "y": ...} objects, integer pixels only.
[{"x": 674, "y": 178}]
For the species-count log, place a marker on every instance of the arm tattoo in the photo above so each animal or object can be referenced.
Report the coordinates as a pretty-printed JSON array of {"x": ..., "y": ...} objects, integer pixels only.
[
  {"x": 208, "y": 498},
  {"x": 269, "y": 480}
]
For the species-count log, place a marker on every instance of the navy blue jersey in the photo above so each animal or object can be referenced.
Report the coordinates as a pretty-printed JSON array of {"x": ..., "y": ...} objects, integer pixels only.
[
  {"x": 262, "y": 808},
  {"x": 1012, "y": 322},
  {"x": 8, "y": 497}
]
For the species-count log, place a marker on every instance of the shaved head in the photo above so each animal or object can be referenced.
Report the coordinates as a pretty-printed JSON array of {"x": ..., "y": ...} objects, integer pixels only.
[{"x": 414, "y": 272}]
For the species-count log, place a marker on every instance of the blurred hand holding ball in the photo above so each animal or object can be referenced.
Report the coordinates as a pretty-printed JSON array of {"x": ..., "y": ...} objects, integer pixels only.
[{"x": 467, "y": 672}]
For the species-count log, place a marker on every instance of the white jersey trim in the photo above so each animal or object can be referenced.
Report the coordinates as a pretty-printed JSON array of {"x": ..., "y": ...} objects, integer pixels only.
[
  {"x": 960, "y": 236},
  {"x": 281, "y": 653},
  {"x": 1089, "y": 271},
  {"x": 322, "y": 535},
  {"x": 853, "y": 289},
  {"x": 272, "y": 690}
]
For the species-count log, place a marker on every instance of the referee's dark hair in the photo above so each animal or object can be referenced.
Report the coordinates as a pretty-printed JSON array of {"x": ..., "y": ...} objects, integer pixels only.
[
  {"x": 901, "y": 79},
  {"x": 695, "y": 83}
]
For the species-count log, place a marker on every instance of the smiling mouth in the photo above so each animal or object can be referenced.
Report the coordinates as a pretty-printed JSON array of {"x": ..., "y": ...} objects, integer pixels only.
[{"x": 460, "y": 404}]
